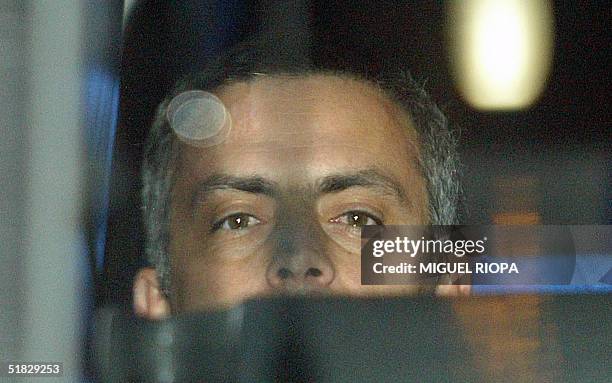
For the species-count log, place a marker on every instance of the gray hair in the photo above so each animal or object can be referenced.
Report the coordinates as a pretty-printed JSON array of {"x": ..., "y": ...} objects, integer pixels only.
[{"x": 438, "y": 162}]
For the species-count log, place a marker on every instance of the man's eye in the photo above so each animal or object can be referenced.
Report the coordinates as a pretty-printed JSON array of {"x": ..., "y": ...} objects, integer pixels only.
[
  {"x": 239, "y": 221},
  {"x": 357, "y": 219}
]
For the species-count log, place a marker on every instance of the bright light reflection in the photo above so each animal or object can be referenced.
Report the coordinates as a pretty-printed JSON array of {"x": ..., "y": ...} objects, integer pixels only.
[{"x": 501, "y": 50}]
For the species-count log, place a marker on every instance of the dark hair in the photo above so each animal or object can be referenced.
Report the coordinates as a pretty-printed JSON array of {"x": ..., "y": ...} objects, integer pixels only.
[{"x": 438, "y": 162}]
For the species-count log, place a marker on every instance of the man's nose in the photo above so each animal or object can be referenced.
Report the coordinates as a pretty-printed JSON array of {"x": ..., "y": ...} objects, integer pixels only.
[
  {"x": 299, "y": 262},
  {"x": 301, "y": 272}
]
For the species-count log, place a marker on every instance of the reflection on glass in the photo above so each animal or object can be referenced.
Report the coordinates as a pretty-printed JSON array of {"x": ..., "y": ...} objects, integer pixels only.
[{"x": 501, "y": 50}]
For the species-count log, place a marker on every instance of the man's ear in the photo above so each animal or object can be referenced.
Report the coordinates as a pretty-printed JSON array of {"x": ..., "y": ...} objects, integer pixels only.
[
  {"x": 449, "y": 288},
  {"x": 149, "y": 302}
]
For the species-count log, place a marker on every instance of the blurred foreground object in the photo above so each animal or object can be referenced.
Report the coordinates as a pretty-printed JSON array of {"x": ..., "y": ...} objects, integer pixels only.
[
  {"x": 42, "y": 250},
  {"x": 501, "y": 50},
  {"x": 512, "y": 338},
  {"x": 55, "y": 110}
]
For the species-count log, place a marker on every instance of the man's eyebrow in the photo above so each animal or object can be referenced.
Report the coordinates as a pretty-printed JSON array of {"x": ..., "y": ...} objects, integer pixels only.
[
  {"x": 249, "y": 184},
  {"x": 369, "y": 178}
]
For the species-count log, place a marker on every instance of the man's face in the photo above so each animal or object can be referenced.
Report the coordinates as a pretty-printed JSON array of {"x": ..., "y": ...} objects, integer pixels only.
[{"x": 278, "y": 206}]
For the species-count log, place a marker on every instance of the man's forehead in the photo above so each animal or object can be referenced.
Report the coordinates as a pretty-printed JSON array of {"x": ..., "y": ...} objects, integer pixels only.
[
  {"x": 306, "y": 112},
  {"x": 322, "y": 104},
  {"x": 306, "y": 87},
  {"x": 285, "y": 128}
]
